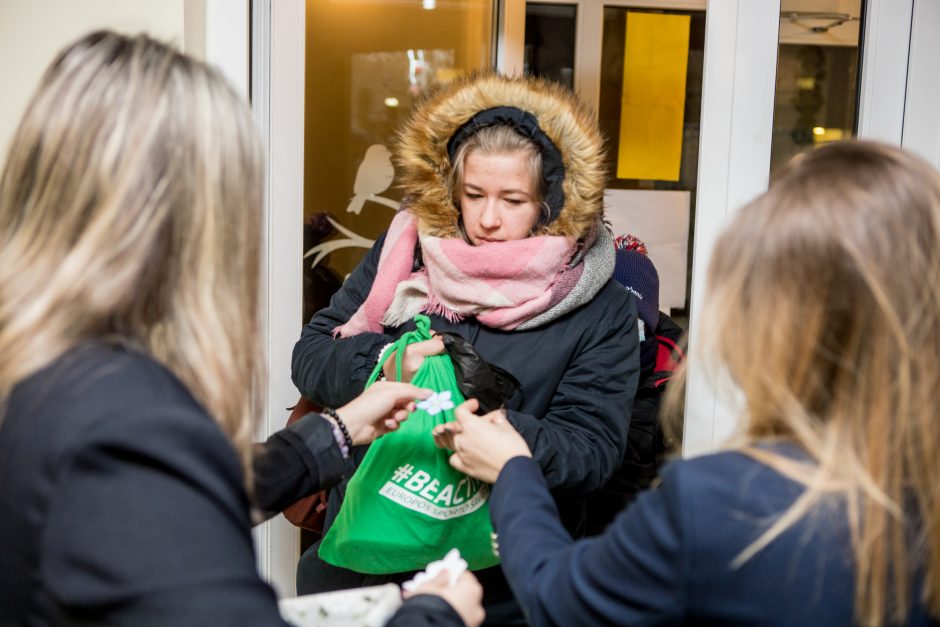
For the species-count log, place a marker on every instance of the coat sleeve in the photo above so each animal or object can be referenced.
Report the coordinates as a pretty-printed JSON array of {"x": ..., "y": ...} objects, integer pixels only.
[
  {"x": 149, "y": 526},
  {"x": 426, "y": 610},
  {"x": 332, "y": 371},
  {"x": 581, "y": 440},
  {"x": 633, "y": 574},
  {"x": 295, "y": 462}
]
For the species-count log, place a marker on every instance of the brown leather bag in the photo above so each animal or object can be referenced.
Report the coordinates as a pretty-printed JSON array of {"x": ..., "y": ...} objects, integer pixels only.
[{"x": 309, "y": 512}]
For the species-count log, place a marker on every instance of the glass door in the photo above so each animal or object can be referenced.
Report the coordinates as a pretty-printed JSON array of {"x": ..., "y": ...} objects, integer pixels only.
[
  {"x": 330, "y": 81},
  {"x": 701, "y": 103},
  {"x": 640, "y": 64},
  {"x": 740, "y": 113},
  {"x": 367, "y": 63},
  {"x": 648, "y": 96},
  {"x": 649, "y": 108},
  {"x": 816, "y": 89}
]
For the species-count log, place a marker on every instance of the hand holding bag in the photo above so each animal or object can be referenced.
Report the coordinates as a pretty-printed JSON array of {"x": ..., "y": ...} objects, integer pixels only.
[{"x": 406, "y": 506}]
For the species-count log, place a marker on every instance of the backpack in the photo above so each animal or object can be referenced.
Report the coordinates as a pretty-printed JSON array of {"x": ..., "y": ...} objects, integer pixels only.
[{"x": 309, "y": 512}]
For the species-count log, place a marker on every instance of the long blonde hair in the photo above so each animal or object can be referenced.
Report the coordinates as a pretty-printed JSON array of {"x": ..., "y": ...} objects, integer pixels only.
[
  {"x": 824, "y": 309},
  {"x": 130, "y": 207}
]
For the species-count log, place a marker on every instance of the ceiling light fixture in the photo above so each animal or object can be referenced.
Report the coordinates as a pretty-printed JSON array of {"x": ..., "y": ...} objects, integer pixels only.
[{"x": 832, "y": 20}]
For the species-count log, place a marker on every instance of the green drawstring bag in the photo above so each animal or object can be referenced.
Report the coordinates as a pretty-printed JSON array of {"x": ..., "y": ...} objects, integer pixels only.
[{"x": 406, "y": 506}]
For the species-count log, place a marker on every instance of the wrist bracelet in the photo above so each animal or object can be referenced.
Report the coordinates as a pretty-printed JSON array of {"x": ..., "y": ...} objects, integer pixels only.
[
  {"x": 338, "y": 438},
  {"x": 347, "y": 441}
]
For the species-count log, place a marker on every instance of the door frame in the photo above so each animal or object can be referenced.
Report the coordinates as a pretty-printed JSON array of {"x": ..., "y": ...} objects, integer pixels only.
[
  {"x": 886, "y": 40},
  {"x": 921, "y": 129},
  {"x": 737, "y": 109},
  {"x": 587, "y": 47},
  {"x": 277, "y": 90}
]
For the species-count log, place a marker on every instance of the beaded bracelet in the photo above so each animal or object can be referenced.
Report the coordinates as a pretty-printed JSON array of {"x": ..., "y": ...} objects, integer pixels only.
[
  {"x": 381, "y": 359},
  {"x": 340, "y": 442},
  {"x": 347, "y": 444}
]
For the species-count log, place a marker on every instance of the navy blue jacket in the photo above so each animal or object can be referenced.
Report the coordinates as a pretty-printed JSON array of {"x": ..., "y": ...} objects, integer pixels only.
[
  {"x": 122, "y": 502},
  {"x": 667, "y": 559}
]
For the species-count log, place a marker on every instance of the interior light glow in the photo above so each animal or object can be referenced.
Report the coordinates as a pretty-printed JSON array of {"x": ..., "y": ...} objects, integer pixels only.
[
  {"x": 391, "y": 102},
  {"x": 806, "y": 83},
  {"x": 818, "y": 130}
]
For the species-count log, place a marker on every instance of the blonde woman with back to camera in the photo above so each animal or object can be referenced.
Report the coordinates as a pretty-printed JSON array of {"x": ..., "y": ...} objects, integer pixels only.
[
  {"x": 823, "y": 308},
  {"x": 130, "y": 363}
]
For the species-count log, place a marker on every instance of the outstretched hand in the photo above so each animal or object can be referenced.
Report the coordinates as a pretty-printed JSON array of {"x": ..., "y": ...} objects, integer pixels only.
[
  {"x": 379, "y": 409},
  {"x": 412, "y": 359},
  {"x": 482, "y": 444}
]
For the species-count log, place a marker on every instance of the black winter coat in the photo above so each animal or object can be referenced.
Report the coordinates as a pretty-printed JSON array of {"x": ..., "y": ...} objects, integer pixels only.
[
  {"x": 646, "y": 444},
  {"x": 578, "y": 376}
]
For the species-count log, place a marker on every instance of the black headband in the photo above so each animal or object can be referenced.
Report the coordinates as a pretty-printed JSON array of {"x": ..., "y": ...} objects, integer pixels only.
[{"x": 526, "y": 124}]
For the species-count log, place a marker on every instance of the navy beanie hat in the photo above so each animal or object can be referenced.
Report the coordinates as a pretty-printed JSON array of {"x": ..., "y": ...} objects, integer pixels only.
[{"x": 635, "y": 271}]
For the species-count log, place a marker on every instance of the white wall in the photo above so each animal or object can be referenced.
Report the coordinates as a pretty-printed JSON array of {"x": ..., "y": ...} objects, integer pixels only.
[
  {"x": 921, "y": 132},
  {"x": 226, "y": 38},
  {"x": 33, "y": 31},
  {"x": 733, "y": 167}
]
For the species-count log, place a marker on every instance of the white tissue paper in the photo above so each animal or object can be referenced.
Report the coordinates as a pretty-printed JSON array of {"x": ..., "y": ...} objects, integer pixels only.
[
  {"x": 366, "y": 607},
  {"x": 452, "y": 563}
]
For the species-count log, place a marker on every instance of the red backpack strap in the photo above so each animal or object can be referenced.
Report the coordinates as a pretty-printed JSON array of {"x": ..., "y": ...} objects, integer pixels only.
[{"x": 668, "y": 358}]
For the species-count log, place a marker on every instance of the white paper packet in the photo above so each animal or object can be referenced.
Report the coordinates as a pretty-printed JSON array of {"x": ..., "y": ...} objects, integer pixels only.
[
  {"x": 452, "y": 563},
  {"x": 368, "y": 607}
]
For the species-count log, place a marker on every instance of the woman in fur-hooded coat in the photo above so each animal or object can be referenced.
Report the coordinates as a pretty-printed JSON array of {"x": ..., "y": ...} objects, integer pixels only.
[{"x": 543, "y": 308}]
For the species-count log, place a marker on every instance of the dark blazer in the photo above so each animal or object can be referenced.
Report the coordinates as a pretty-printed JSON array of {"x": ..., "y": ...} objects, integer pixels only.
[
  {"x": 667, "y": 559},
  {"x": 122, "y": 502},
  {"x": 298, "y": 460}
]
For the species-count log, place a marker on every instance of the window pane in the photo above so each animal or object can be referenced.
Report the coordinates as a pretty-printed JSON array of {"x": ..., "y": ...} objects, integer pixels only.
[
  {"x": 816, "y": 97},
  {"x": 367, "y": 63},
  {"x": 650, "y": 110},
  {"x": 549, "y": 41}
]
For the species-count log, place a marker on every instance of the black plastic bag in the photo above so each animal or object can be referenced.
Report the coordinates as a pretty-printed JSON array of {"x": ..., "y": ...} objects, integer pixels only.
[{"x": 490, "y": 385}]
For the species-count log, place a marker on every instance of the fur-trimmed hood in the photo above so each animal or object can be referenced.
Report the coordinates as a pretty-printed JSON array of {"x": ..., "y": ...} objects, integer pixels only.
[{"x": 421, "y": 152}]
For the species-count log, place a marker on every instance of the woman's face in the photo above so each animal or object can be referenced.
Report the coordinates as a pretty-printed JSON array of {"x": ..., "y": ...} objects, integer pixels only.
[{"x": 497, "y": 201}]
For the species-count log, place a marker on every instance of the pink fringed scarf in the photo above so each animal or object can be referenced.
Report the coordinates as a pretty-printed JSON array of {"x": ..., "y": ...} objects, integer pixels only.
[{"x": 503, "y": 284}]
